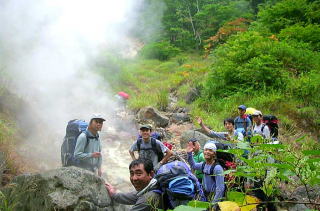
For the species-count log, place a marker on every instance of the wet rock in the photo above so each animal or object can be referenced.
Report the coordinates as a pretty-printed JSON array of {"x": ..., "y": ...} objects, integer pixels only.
[
  {"x": 187, "y": 135},
  {"x": 301, "y": 194},
  {"x": 192, "y": 95},
  {"x": 68, "y": 188},
  {"x": 180, "y": 117},
  {"x": 150, "y": 113}
]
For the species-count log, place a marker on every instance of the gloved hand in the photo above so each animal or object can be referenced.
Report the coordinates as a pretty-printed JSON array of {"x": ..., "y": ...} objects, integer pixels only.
[{"x": 157, "y": 167}]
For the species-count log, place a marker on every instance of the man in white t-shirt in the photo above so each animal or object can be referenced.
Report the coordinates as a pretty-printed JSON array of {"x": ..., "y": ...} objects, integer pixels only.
[{"x": 259, "y": 128}]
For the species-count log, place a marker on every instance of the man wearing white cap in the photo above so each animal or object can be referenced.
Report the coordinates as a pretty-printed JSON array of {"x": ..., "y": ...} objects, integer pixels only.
[
  {"x": 259, "y": 127},
  {"x": 88, "y": 147},
  {"x": 213, "y": 180}
]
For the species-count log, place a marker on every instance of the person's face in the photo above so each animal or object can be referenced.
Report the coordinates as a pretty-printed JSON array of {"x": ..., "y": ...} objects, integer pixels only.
[
  {"x": 257, "y": 119},
  {"x": 228, "y": 126},
  {"x": 139, "y": 177},
  {"x": 209, "y": 154},
  {"x": 196, "y": 146},
  {"x": 145, "y": 133},
  {"x": 96, "y": 124},
  {"x": 241, "y": 112}
]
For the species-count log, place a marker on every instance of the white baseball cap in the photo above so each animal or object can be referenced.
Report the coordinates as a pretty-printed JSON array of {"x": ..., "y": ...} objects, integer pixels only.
[
  {"x": 97, "y": 116},
  {"x": 257, "y": 113},
  {"x": 210, "y": 145}
]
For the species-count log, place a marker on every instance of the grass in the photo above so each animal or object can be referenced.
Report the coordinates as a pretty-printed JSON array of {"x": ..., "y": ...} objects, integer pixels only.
[{"x": 149, "y": 83}]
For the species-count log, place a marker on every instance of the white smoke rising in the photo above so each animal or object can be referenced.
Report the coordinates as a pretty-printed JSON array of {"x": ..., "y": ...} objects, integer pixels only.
[{"x": 46, "y": 47}]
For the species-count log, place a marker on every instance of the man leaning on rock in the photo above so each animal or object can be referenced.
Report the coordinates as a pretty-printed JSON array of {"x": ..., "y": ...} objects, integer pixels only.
[{"x": 144, "y": 198}]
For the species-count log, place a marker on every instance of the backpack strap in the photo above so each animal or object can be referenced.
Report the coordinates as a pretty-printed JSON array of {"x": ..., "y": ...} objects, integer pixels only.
[
  {"x": 87, "y": 136},
  {"x": 157, "y": 149},
  {"x": 211, "y": 168},
  {"x": 139, "y": 144}
]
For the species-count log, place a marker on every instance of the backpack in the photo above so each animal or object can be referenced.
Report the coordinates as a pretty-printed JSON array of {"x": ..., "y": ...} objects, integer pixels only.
[
  {"x": 177, "y": 185},
  {"x": 74, "y": 129},
  {"x": 273, "y": 123},
  {"x": 223, "y": 157},
  {"x": 154, "y": 146}
]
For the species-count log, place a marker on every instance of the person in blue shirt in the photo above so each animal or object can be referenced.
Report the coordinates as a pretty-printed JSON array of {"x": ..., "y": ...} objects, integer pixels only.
[
  {"x": 213, "y": 180},
  {"x": 242, "y": 123}
]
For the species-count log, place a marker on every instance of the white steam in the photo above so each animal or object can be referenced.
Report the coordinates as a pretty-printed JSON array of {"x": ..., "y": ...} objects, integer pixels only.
[{"x": 46, "y": 47}]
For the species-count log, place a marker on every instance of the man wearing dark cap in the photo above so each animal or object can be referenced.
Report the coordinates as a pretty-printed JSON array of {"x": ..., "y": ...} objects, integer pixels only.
[
  {"x": 242, "y": 123},
  {"x": 150, "y": 148},
  {"x": 198, "y": 157},
  {"x": 88, "y": 147}
]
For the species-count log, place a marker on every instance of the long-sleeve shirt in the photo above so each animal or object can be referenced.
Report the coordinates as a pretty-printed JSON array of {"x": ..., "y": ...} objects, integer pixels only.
[
  {"x": 222, "y": 135},
  {"x": 85, "y": 147},
  {"x": 147, "y": 201},
  {"x": 211, "y": 183}
]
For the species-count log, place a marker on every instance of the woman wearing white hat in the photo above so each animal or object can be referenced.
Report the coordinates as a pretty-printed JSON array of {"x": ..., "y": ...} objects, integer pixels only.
[{"x": 213, "y": 180}]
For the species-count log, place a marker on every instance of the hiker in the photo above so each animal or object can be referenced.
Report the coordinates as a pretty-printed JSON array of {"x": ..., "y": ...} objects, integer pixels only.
[
  {"x": 230, "y": 135},
  {"x": 150, "y": 148},
  {"x": 198, "y": 157},
  {"x": 213, "y": 180},
  {"x": 141, "y": 177},
  {"x": 242, "y": 122},
  {"x": 259, "y": 127},
  {"x": 88, "y": 146}
]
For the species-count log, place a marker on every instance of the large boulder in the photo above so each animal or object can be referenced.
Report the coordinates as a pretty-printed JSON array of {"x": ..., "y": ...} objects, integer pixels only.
[
  {"x": 180, "y": 117},
  {"x": 67, "y": 188},
  {"x": 150, "y": 113},
  {"x": 192, "y": 95},
  {"x": 189, "y": 134}
]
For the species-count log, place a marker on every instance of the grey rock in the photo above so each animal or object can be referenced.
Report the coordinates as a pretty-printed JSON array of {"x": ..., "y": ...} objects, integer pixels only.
[
  {"x": 187, "y": 135},
  {"x": 298, "y": 207},
  {"x": 192, "y": 95},
  {"x": 150, "y": 113},
  {"x": 67, "y": 188},
  {"x": 180, "y": 117}
]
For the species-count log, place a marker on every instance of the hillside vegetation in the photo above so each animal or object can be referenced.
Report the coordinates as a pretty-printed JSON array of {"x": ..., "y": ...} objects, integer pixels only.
[{"x": 264, "y": 54}]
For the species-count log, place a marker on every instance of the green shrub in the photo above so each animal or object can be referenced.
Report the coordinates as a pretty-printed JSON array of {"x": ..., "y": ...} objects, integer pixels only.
[
  {"x": 307, "y": 34},
  {"x": 250, "y": 62},
  {"x": 159, "y": 50},
  {"x": 288, "y": 13}
]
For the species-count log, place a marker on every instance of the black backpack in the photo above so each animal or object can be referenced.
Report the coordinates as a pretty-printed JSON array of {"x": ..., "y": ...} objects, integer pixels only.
[
  {"x": 273, "y": 123},
  {"x": 154, "y": 146},
  {"x": 74, "y": 129},
  {"x": 222, "y": 157}
]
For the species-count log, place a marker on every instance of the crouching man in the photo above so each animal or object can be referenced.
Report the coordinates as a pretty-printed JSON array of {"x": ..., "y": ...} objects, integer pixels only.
[{"x": 144, "y": 198}]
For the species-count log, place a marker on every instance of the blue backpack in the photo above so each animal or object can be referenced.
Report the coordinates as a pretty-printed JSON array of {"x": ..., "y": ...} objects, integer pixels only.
[
  {"x": 178, "y": 185},
  {"x": 74, "y": 129}
]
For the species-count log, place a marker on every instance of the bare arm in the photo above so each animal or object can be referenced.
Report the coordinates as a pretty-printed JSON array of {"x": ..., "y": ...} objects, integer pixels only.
[
  {"x": 132, "y": 155},
  {"x": 169, "y": 153}
]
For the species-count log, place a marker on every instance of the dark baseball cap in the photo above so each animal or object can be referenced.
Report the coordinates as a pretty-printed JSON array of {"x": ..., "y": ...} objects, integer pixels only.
[
  {"x": 243, "y": 107},
  {"x": 146, "y": 126}
]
